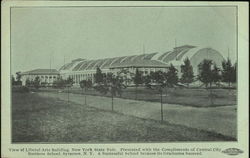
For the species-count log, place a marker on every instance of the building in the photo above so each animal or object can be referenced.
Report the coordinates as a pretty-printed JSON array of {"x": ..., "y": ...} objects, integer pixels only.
[
  {"x": 46, "y": 76},
  {"x": 82, "y": 69}
]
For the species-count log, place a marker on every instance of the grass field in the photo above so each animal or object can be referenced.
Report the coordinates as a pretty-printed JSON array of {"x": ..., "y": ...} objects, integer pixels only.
[
  {"x": 198, "y": 97},
  {"x": 40, "y": 119}
]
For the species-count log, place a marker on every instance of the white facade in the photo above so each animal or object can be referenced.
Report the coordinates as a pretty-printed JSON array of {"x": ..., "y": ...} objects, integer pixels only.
[{"x": 46, "y": 76}]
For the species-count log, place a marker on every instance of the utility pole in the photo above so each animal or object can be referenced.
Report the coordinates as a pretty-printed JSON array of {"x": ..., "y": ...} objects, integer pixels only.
[
  {"x": 143, "y": 49},
  {"x": 50, "y": 62},
  {"x": 207, "y": 54},
  {"x": 48, "y": 84},
  {"x": 63, "y": 60},
  {"x": 228, "y": 59}
]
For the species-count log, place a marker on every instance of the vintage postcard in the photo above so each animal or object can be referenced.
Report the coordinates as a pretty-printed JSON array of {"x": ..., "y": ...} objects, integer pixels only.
[{"x": 113, "y": 79}]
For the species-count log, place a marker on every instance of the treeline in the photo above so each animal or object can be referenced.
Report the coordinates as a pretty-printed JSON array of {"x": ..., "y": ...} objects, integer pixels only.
[
  {"x": 208, "y": 73},
  {"x": 59, "y": 83}
]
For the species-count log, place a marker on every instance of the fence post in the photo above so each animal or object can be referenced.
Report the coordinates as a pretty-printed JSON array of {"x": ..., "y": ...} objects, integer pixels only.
[
  {"x": 85, "y": 96},
  {"x": 136, "y": 92},
  {"x": 211, "y": 97},
  {"x": 112, "y": 102},
  {"x": 68, "y": 95},
  {"x": 161, "y": 106}
]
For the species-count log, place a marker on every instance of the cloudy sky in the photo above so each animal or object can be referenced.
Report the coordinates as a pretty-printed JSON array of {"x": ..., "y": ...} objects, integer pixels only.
[{"x": 99, "y": 32}]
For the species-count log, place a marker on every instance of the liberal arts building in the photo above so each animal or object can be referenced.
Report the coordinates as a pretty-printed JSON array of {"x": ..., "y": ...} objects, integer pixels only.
[{"x": 83, "y": 69}]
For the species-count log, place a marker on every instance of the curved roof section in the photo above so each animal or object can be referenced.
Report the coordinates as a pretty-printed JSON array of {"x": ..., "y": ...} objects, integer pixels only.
[
  {"x": 177, "y": 55},
  {"x": 141, "y": 63}
]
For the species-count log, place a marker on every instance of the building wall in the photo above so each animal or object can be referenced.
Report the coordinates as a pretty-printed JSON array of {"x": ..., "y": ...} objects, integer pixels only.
[
  {"x": 78, "y": 76},
  {"x": 43, "y": 78}
]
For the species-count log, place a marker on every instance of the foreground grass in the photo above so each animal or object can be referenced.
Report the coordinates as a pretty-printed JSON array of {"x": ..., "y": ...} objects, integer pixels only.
[
  {"x": 198, "y": 97},
  {"x": 38, "y": 119}
]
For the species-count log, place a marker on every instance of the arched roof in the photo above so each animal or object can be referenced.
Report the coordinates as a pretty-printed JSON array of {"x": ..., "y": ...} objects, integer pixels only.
[{"x": 177, "y": 55}]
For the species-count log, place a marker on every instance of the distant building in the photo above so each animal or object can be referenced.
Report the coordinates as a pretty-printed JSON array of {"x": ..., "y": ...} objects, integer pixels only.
[
  {"x": 82, "y": 69},
  {"x": 46, "y": 76}
]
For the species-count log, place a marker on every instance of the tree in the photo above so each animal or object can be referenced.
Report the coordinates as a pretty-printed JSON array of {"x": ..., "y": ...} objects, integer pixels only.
[
  {"x": 205, "y": 72},
  {"x": 147, "y": 81},
  {"x": 125, "y": 75},
  {"x": 59, "y": 83},
  {"x": 209, "y": 73},
  {"x": 105, "y": 86},
  {"x": 111, "y": 84},
  {"x": 69, "y": 82},
  {"x": 115, "y": 89},
  {"x": 187, "y": 72},
  {"x": 27, "y": 82},
  {"x": 98, "y": 76},
  {"x": 234, "y": 75},
  {"x": 216, "y": 77},
  {"x": 137, "y": 80},
  {"x": 109, "y": 77},
  {"x": 36, "y": 82},
  {"x": 160, "y": 79},
  {"x": 172, "y": 76},
  {"x": 13, "y": 82},
  {"x": 228, "y": 73},
  {"x": 18, "y": 78},
  {"x": 117, "y": 86},
  {"x": 85, "y": 84}
]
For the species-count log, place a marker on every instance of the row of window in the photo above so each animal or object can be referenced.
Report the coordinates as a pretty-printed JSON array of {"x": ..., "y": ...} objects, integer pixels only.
[
  {"x": 34, "y": 76},
  {"x": 77, "y": 78},
  {"x": 48, "y": 77}
]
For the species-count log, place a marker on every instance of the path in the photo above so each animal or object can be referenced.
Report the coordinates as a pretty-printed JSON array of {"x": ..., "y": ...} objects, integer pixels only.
[{"x": 217, "y": 119}]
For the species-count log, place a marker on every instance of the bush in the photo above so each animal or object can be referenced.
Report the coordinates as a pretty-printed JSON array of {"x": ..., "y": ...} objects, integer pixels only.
[
  {"x": 102, "y": 88},
  {"x": 20, "y": 89}
]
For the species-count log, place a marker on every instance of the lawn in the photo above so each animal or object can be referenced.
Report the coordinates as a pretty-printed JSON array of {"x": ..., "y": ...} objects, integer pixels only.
[
  {"x": 196, "y": 97},
  {"x": 41, "y": 119}
]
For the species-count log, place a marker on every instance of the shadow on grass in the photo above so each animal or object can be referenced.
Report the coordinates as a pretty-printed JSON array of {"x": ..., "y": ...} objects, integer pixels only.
[{"x": 38, "y": 119}]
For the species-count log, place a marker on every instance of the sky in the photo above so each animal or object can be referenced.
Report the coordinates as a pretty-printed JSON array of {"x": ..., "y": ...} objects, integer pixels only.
[{"x": 59, "y": 35}]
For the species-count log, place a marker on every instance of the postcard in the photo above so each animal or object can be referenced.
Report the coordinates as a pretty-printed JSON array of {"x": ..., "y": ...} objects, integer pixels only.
[{"x": 93, "y": 79}]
